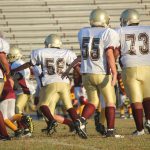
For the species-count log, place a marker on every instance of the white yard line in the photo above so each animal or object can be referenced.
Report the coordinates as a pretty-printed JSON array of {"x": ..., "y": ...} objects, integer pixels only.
[{"x": 66, "y": 144}]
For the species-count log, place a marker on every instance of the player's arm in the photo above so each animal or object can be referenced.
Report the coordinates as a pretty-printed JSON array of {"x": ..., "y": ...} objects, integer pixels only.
[
  {"x": 22, "y": 67},
  {"x": 77, "y": 68},
  {"x": 120, "y": 83},
  {"x": 72, "y": 65},
  {"x": 112, "y": 65},
  {"x": 4, "y": 62},
  {"x": 117, "y": 53}
]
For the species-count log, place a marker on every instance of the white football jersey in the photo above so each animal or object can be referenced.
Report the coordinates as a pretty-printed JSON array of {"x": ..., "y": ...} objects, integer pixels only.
[
  {"x": 4, "y": 47},
  {"x": 93, "y": 44},
  {"x": 135, "y": 45},
  {"x": 37, "y": 70},
  {"x": 53, "y": 62},
  {"x": 24, "y": 85}
]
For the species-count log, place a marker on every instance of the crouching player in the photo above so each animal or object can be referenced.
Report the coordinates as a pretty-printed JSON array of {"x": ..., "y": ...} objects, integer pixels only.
[{"x": 7, "y": 107}]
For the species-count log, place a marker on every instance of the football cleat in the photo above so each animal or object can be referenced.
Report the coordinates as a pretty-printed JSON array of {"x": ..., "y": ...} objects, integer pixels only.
[
  {"x": 5, "y": 138},
  {"x": 101, "y": 129},
  {"x": 130, "y": 116},
  {"x": 27, "y": 133},
  {"x": 80, "y": 126},
  {"x": 112, "y": 133},
  {"x": 18, "y": 133},
  {"x": 27, "y": 122},
  {"x": 51, "y": 127},
  {"x": 137, "y": 133},
  {"x": 123, "y": 116},
  {"x": 147, "y": 125},
  {"x": 71, "y": 127}
]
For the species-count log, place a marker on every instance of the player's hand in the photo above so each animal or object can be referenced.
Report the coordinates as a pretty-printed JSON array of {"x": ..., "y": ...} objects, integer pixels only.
[{"x": 65, "y": 74}]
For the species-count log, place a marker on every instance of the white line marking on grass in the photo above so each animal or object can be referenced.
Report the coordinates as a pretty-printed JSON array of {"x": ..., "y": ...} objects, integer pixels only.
[{"x": 66, "y": 144}]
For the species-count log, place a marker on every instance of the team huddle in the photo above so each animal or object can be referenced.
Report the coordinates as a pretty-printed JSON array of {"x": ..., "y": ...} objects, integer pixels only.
[{"x": 100, "y": 48}]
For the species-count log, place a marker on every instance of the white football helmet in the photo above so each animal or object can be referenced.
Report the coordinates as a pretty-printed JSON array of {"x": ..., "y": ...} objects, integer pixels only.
[
  {"x": 14, "y": 54},
  {"x": 99, "y": 17},
  {"x": 129, "y": 17},
  {"x": 53, "y": 40}
]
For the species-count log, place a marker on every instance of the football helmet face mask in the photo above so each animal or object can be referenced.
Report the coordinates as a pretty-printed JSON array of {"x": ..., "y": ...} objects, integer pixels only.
[
  {"x": 129, "y": 17},
  {"x": 99, "y": 17},
  {"x": 53, "y": 40},
  {"x": 14, "y": 54}
]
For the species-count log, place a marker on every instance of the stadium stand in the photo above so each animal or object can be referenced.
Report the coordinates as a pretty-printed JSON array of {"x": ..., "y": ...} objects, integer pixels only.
[{"x": 26, "y": 23}]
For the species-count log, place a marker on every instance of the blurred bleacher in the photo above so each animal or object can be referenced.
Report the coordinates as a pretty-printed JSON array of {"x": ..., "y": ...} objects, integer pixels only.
[{"x": 26, "y": 23}]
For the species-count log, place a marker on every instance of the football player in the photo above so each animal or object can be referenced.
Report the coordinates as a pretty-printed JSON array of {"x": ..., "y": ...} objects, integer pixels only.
[
  {"x": 135, "y": 60},
  {"x": 38, "y": 76},
  {"x": 7, "y": 107},
  {"x": 79, "y": 90},
  {"x": 98, "y": 119},
  {"x": 23, "y": 86},
  {"x": 54, "y": 60},
  {"x": 98, "y": 66},
  {"x": 124, "y": 100},
  {"x": 4, "y": 71}
]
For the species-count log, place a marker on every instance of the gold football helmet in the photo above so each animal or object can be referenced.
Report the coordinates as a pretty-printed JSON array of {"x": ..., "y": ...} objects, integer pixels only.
[
  {"x": 53, "y": 40},
  {"x": 129, "y": 17},
  {"x": 14, "y": 54},
  {"x": 99, "y": 17}
]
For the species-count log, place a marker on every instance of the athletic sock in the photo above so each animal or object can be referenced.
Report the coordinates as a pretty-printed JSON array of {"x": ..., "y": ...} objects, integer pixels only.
[
  {"x": 46, "y": 112},
  {"x": 10, "y": 124},
  {"x": 88, "y": 110},
  {"x": 138, "y": 116},
  {"x": 3, "y": 130},
  {"x": 110, "y": 117}
]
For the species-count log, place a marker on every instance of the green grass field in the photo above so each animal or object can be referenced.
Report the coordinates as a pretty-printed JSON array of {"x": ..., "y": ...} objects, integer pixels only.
[{"x": 64, "y": 140}]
